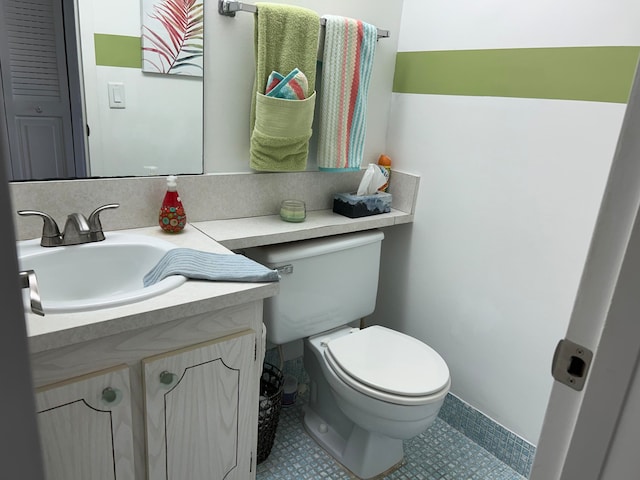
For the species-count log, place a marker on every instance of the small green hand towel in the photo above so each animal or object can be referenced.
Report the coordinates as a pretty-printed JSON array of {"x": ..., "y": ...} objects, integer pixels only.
[
  {"x": 280, "y": 138},
  {"x": 286, "y": 37}
]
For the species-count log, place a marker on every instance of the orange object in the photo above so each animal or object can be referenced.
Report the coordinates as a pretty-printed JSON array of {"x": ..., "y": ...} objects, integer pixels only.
[{"x": 385, "y": 162}]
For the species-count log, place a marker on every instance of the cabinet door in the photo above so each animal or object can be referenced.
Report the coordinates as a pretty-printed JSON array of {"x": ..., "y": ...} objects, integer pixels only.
[
  {"x": 85, "y": 427},
  {"x": 201, "y": 414}
]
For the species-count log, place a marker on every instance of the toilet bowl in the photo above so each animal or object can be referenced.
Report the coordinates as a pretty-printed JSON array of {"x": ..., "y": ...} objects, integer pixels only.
[
  {"x": 371, "y": 388},
  {"x": 377, "y": 397}
]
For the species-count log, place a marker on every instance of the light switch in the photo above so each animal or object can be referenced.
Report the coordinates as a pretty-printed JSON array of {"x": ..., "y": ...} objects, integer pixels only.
[{"x": 116, "y": 95}]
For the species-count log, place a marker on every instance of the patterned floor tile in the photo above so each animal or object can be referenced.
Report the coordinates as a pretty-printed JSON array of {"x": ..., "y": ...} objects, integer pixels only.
[{"x": 440, "y": 453}]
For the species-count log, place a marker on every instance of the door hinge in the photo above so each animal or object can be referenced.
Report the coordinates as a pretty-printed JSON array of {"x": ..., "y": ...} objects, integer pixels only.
[
  {"x": 571, "y": 364},
  {"x": 251, "y": 462},
  {"x": 255, "y": 350}
]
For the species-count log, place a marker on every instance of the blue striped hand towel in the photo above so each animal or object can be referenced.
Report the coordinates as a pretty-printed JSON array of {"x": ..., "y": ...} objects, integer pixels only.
[
  {"x": 349, "y": 49},
  {"x": 209, "y": 266}
]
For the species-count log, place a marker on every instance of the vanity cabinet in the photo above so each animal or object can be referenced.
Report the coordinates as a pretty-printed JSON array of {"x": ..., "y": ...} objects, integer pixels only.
[
  {"x": 181, "y": 402},
  {"x": 86, "y": 427},
  {"x": 197, "y": 406}
]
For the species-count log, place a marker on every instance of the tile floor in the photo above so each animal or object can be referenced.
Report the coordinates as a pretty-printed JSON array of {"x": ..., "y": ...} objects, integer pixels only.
[{"x": 441, "y": 453}]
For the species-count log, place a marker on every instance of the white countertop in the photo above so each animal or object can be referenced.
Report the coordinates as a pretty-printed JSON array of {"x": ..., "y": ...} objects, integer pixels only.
[
  {"x": 191, "y": 298},
  {"x": 198, "y": 296},
  {"x": 256, "y": 231}
]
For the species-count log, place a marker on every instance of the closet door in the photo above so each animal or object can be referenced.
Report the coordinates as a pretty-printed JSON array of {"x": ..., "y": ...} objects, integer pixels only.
[
  {"x": 200, "y": 410},
  {"x": 36, "y": 89},
  {"x": 85, "y": 427}
]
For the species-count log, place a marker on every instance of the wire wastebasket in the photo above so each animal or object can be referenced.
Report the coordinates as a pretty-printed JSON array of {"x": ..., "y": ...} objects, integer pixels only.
[{"x": 270, "y": 404}]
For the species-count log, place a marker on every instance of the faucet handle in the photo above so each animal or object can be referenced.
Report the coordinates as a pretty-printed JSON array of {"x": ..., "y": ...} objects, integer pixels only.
[
  {"x": 94, "y": 221},
  {"x": 28, "y": 280},
  {"x": 50, "y": 231}
]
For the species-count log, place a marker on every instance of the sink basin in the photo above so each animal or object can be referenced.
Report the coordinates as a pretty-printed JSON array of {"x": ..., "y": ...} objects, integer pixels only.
[{"x": 95, "y": 275}]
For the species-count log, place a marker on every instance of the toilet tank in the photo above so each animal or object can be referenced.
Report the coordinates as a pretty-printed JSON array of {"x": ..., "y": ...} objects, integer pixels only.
[{"x": 325, "y": 283}]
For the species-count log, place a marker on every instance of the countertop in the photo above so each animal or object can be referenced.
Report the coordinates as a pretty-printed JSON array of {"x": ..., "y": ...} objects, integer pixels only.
[
  {"x": 191, "y": 298},
  {"x": 194, "y": 296},
  {"x": 249, "y": 232}
]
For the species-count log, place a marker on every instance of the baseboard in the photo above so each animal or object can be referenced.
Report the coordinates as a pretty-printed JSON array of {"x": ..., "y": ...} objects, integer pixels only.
[{"x": 505, "y": 445}]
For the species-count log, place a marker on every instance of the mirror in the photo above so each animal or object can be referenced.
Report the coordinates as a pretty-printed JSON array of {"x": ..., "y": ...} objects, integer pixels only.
[{"x": 86, "y": 104}]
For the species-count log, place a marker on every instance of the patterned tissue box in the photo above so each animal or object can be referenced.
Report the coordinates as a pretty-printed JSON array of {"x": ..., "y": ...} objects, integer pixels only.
[{"x": 356, "y": 206}]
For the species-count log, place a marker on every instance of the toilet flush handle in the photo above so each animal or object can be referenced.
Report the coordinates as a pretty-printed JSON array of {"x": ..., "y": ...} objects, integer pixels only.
[{"x": 285, "y": 269}]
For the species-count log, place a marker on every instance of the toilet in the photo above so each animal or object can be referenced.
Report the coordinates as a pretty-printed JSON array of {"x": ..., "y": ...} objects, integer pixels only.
[{"x": 371, "y": 388}]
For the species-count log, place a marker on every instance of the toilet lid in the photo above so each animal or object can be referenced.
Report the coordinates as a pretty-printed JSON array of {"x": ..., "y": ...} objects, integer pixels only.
[{"x": 390, "y": 361}]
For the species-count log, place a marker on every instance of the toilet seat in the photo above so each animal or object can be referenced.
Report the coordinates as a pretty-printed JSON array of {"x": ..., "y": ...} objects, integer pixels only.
[{"x": 388, "y": 365}]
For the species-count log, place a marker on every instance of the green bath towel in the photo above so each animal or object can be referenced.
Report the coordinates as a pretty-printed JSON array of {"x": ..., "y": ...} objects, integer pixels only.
[{"x": 286, "y": 37}]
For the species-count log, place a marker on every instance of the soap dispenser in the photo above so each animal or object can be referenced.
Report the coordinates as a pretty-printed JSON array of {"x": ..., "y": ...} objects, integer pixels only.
[{"x": 172, "y": 217}]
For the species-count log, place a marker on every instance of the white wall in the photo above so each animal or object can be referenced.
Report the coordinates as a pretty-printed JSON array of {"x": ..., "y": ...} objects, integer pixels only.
[
  {"x": 465, "y": 24},
  {"x": 162, "y": 123},
  {"x": 230, "y": 67},
  {"x": 509, "y": 195}
]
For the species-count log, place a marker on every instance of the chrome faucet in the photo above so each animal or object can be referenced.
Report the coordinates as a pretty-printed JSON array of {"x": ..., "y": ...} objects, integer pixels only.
[{"x": 77, "y": 229}]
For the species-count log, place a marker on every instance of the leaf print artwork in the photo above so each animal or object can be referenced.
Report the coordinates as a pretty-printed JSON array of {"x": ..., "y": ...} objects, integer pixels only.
[{"x": 172, "y": 37}]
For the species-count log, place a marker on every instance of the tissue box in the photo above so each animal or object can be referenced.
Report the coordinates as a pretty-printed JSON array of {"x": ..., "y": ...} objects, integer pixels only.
[{"x": 355, "y": 206}]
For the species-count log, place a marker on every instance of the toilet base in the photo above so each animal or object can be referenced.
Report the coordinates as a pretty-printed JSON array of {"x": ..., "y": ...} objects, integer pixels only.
[{"x": 366, "y": 454}]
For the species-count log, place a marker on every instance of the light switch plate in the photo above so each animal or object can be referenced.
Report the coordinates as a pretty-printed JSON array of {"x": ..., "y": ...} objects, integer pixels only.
[{"x": 116, "y": 95}]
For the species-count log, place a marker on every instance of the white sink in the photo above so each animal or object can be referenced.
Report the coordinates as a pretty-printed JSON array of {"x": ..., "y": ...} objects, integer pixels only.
[{"x": 95, "y": 275}]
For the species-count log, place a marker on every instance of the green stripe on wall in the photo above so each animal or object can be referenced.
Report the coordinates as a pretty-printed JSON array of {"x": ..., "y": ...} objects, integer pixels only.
[
  {"x": 118, "y": 50},
  {"x": 600, "y": 74}
]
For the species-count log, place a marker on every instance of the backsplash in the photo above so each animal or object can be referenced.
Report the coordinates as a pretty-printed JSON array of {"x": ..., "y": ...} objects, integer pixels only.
[{"x": 205, "y": 197}]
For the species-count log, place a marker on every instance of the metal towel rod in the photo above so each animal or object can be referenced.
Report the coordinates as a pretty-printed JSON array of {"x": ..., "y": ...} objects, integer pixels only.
[{"x": 228, "y": 8}]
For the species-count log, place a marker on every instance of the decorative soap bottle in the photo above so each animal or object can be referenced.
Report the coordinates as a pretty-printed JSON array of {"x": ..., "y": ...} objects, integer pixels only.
[{"x": 172, "y": 217}]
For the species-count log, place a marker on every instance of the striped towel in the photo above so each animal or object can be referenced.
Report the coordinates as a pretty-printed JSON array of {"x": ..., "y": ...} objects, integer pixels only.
[
  {"x": 349, "y": 49},
  {"x": 209, "y": 266},
  {"x": 292, "y": 87}
]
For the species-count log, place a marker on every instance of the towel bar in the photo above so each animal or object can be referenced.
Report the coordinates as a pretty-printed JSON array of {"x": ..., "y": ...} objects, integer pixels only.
[{"x": 228, "y": 8}]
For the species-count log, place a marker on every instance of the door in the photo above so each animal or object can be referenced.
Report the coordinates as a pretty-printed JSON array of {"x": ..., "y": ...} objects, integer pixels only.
[
  {"x": 85, "y": 427},
  {"x": 19, "y": 453},
  {"x": 582, "y": 436},
  {"x": 201, "y": 411},
  {"x": 35, "y": 85}
]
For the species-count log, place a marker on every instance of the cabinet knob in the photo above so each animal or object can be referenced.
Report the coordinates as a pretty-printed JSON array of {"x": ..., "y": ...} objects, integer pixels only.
[
  {"x": 110, "y": 395},
  {"x": 167, "y": 378}
]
